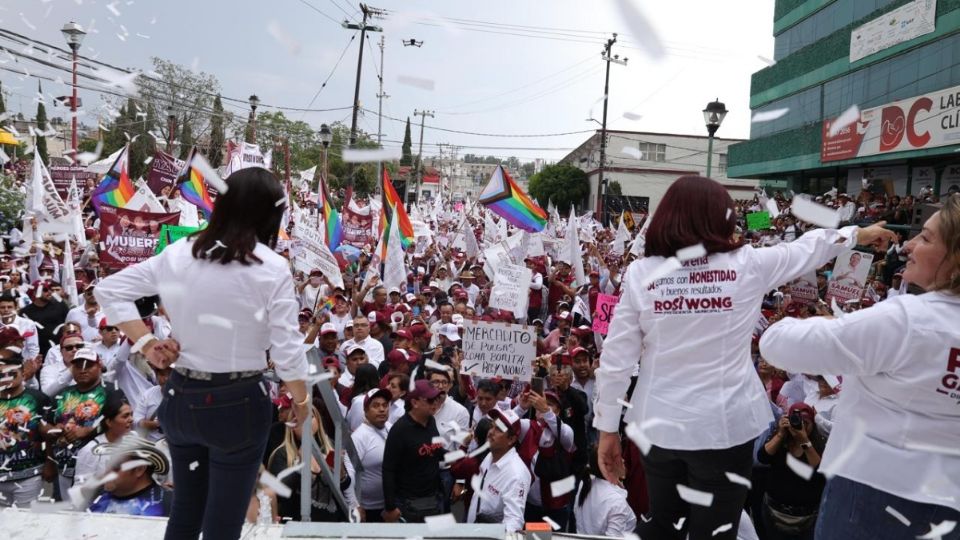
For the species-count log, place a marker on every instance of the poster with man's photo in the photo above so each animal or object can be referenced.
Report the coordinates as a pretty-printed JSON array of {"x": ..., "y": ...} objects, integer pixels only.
[
  {"x": 804, "y": 288},
  {"x": 849, "y": 276},
  {"x": 128, "y": 237}
]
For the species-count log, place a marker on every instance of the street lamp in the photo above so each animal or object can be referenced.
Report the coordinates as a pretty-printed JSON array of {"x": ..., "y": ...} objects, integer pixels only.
[
  {"x": 254, "y": 101},
  {"x": 326, "y": 137},
  {"x": 171, "y": 127},
  {"x": 74, "y": 34},
  {"x": 713, "y": 116}
]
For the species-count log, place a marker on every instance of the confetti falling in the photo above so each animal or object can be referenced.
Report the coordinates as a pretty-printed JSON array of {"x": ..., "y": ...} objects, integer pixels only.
[
  {"x": 635, "y": 434},
  {"x": 848, "y": 117},
  {"x": 194, "y": 465},
  {"x": 273, "y": 483},
  {"x": 641, "y": 29},
  {"x": 900, "y": 517},
  {"x": 806, "y": 210},
  {"x": 562, "y": 486},
  {"x": 722, "y": 529},
  {"x": 767, "y": 116},
  {"x": 283, "y": 38},
  {"x": 453, "y": 456},
  {"x": 800, "y": 468},
  {"x": 416, "y": 82},
  {"x": 937, "y": 532},
  {"x": 693, "y": 496},
  {"x": 632, "y": 116},
  {"x": 737, "y": 479}
]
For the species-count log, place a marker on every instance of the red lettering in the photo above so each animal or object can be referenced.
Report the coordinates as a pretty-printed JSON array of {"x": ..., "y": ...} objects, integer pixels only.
[
  {"x": 953, "y": 363},
  {"x": 915, "y": 139},
  {"x": 950, "y": 381}
]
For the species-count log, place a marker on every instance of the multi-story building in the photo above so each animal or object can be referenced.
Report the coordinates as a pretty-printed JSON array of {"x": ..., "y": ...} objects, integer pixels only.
[
  {"x": 645, "y": 164},
  {"x": 864, "y": 93}
]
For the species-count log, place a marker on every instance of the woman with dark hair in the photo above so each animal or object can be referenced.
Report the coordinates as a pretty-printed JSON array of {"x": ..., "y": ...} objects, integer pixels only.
[
  {"x": 117, "y": 422},
  {"x": 697, "y": 399},
  {"x": 600, "y": 507},
  {"x": 365, "y": 379},
  {"x": 230, "y": 300},
  {"x": 900, "y": 362}
]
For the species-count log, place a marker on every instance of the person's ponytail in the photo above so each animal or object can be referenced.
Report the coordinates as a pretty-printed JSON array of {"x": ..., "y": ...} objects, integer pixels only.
[{"x": 586, "y": 475}]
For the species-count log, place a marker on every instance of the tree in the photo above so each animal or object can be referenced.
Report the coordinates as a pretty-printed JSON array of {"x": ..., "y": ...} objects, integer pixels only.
[
  {"x": 528, "y": 169},
  {"x": 186, "y": 140},
  {"x": 614, "y": 188},
  {"x": 562, "y": 184},
  {"x": 188, "y": 91},
  {"x": 142, "y": 144},
  {"x": 407, "y": 157},
  {"x": 41, "y": 145},
  {"x": 217, "y": 134}
]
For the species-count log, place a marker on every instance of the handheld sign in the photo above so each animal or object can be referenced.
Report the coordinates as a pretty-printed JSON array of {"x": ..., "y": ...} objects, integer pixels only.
[
  {"x": 758, "y": 220},
  {"x": 498, "y": 350},
  {"x": 604, "y": 314},
  {"x": 511, "y": 288}
]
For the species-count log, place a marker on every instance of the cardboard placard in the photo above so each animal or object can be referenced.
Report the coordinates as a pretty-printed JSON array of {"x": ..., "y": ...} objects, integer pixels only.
[
  {"x": 511, "y": 289},
  {"x": 849, "y": 276},
  {"x": 498, "y": 350},
  {"x": 604, "y": 314}
]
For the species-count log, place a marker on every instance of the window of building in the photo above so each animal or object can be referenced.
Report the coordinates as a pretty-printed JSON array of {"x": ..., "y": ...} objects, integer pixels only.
[
  {"x": 722, "y": 164},
  {"x": 653, "y": 152}
]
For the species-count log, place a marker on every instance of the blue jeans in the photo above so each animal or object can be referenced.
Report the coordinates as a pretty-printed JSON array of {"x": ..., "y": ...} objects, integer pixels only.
[
  {"x": 217, "y": 435},
  {"x": 854, "y": 511}
]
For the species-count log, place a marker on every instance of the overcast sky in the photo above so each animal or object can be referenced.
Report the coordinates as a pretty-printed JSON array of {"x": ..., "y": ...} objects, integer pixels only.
[{"x": 485, "y": 79}]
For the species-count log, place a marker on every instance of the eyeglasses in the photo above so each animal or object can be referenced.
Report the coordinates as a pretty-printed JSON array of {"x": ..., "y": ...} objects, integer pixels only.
[
  {"x": 76, "y": 347},
  {"x": 440, "y": 384}
]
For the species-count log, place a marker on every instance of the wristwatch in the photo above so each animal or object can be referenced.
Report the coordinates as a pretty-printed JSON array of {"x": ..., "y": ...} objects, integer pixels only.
[{"x": 806, "y": 445}]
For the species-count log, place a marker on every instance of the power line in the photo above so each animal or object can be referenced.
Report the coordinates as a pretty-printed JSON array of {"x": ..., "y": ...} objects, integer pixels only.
[
  {"x": 315, "y": 8},
  {"x": 504, "y": 135},
  {"x": 325, "y": 81}
]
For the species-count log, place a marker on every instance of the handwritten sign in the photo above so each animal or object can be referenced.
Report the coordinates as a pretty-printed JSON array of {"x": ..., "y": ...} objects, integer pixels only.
[
  {"x": 758, "y": 220},
  {"x": 312, "y": 252},
  {"x": 511, "y": 289},
  {"x": 498, "y": 350},
  {"x": 604, "y": 314}
]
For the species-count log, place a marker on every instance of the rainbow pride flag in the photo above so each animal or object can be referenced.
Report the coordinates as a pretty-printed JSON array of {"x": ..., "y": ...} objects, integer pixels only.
[
  {"x": 331, "y": 218},
  {"x": 193, "y": 187},
  {"x": 115, "y": 189},
  {"x": 505, "y": 198},
  {"x": 393, "y": 203}
]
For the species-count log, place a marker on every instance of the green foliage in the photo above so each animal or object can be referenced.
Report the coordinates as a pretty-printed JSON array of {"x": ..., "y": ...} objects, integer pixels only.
[
  {"x": 186, "y": 140},
  {"x": 562, "y": 184},
  {"x": 527, "y": 169},
  {"x": 614, "y": 188},
  {"x": 489, "y": 160},
  {"x": 191, "y": 94},
  {"x": 407, "y": 157},
  {"x": 11, "y": 203},
  {"x": 218, "y": 136},
  {"x": 41, "y": 145},
  {"x": 88, "y": 145}
]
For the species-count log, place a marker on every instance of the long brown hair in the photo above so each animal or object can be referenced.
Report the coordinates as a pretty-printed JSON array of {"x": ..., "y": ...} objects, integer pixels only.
[
  {"x": 694, "y": 210},
  {"x": 949, "y": 232}
]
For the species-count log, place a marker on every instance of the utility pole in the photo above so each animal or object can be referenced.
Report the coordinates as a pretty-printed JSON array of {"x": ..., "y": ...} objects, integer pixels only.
[
  {"x": 603, "y": 127},
  {"x": 363, "y": 27},
  {"x": 380, "y": 97},
  {"x": 440, "y": 183},
  {"x": 423, "y": 116}
]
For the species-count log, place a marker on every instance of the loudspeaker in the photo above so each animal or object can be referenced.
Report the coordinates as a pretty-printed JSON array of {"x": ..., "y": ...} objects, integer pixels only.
[{"x": 921, "y": 214}]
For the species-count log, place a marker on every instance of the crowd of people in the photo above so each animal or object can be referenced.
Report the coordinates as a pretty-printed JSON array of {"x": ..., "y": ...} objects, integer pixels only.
[{"x": 95, "y": 410}]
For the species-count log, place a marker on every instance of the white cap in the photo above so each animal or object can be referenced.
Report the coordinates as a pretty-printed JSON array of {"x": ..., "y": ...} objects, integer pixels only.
[
  {"x": 457, "y": 320},
  {"x": 410, "y": 297},
  {"x": 86, "y": 353},
  {"x": 328, "y": 328},
  {"x": 450, "y": 331},
  {"x": 394, "y": 290}
]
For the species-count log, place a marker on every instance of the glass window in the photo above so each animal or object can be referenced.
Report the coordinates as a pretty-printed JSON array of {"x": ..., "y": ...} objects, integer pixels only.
[
  {"x": 823, "y": 23},
  {"x": 653, "y": 152},
  {"x": 722, "y": 164}
]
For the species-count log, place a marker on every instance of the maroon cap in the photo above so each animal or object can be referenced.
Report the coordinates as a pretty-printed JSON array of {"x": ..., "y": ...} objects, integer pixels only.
[
  {"x": 805, "y": 410},
  {"x": 9, "y": 335},
  {"x": 578, "y": 350},
  {"x": 508, "y": 419},
  {"x": 422, "y": 389},
  {"x": 404, "y": 333},
  {"x": 397, "y": 357},
  {"x": 331, "y": 361}
]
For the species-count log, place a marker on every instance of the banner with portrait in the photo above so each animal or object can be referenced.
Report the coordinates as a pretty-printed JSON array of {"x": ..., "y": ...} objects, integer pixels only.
[{"x": 129, "y": 237}]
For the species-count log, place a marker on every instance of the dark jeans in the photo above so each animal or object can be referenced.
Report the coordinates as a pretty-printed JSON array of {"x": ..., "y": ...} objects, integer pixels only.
[
  {"x": 217, "y": 435},
  {"x": 415, "y": 510},
  {"x": 702, "y": 470},
  {"x": 853, "y": 511}
]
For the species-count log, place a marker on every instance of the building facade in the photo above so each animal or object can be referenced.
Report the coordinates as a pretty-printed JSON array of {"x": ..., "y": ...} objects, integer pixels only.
[
  {"x": 646, "y": 164},
  {"x": 864, "y": 94}
]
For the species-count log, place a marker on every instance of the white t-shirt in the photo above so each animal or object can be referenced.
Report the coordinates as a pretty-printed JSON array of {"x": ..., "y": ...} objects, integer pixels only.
[{"x": 369, "y": 442}]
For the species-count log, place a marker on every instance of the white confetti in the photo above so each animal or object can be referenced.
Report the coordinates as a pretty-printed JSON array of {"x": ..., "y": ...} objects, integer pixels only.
[
  {"x": 288, "y": 471},
  {"x": 280, "y": 202},
  {"x": 87, "y": 158},
  {"x": 800, "y": 468},
  {"x": 625, "y": 404},
  {"x": 270, "y": 481},
  {"x": 112, "y": 6},
  {"x": 209, "y": 173},
  {"x": 772, "y": 208},
  {"x": 632, "y": 116},
  {"x": 258, "y": 315},
  {"x": 441, "y": 522},
  {"x": 133, "y": 464},
  {"x": 722, "y": 529},
  {"x": 119, "y": 79},
  {"x": 214, "y": 320},
  {"x": 26, "y": 22},
  {"x": 635, "y": 434},
  {"x": 283, "y": 38},
  {"x": 475, "y": 484},
  {"x": 455, "y": 455},
  {"x": 766, "y": 60},
  {"x": 691, "y": 252},
  {"x": 939, "y": 531},
  {"x": 194, "y": 465},
  {"x": 900, "y": 517},
  {"x": 693, "y": 496},
  {"x": 562, "y": 486},
  {"x": 356, "y": 155},
  {"x": 662, "y": 270},
  {"x": 480, "y": 449},
  {"x": 729, "y": 211},
  {"x": 737, "y": 479},
  {"x": 144, "y": 36},
  {"x": 767, "y": 116},
  {"x": 438, "y": 440},
  {"x": 641, "y": 29},
  {"x": 417, "y": 82},
  {"x": 679, "y": 524},
  {"x": 806, "y": 210},
  {"x": 848, "y": 117},
  {"x": 553, "y": 524}
]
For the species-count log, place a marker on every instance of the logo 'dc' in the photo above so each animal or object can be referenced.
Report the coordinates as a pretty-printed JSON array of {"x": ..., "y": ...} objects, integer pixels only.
[{"x": 893, "y": 124}]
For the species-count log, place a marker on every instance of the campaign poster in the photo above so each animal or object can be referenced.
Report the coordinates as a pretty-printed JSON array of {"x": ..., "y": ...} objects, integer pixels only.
[
  {"x": 849, "y": 276},
  {"x": 63, "y": 175},
  {"x": 804, "y": 288},
  {"x": 357, "y": 227},
  {"x": 163, "y": 172},
  {"x": 129, "y": 237},
  {"x": 606, "y": 303}
]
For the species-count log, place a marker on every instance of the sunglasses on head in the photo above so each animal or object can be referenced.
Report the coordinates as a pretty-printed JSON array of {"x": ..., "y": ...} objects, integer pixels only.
[{"x": 76, "y": 347}]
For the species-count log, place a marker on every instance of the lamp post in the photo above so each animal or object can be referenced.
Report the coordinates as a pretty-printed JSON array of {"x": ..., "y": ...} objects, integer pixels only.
[
  {"x": 326, "y": 137},
  {"x": 74, "y": 34},
  {"x": 713, "y": 116},
  {"x": 171, "y": 127},
  {"x": 254, "y": 101}
]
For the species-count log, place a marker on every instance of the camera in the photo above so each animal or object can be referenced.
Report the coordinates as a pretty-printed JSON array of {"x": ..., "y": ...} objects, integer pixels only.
[{"x": 796, "y": 421}]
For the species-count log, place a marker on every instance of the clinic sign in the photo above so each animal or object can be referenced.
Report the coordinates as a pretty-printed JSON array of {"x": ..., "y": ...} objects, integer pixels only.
[{"x": 916, "y": 123}]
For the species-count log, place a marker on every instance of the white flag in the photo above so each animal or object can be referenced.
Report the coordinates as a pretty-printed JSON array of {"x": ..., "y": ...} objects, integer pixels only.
[
  {"x": 573, "y": 252},
  {"x": 470, "y": 240},
  {"x": 622, "y": 237},
  {"x": 43, "y": 201},
  {"x": 394, "y": 269},
  {"x": 68, "y": 278}
]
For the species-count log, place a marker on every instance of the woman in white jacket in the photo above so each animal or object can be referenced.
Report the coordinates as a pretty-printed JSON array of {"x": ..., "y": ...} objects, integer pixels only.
[
  {"x": 893, "y": 454},
  {"x": 601, "y": 508},
  {"x": 697, "y": 400}
]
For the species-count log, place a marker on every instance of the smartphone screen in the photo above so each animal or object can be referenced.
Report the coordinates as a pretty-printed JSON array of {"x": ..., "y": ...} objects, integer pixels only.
[{"x": 536, "y": 384}]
